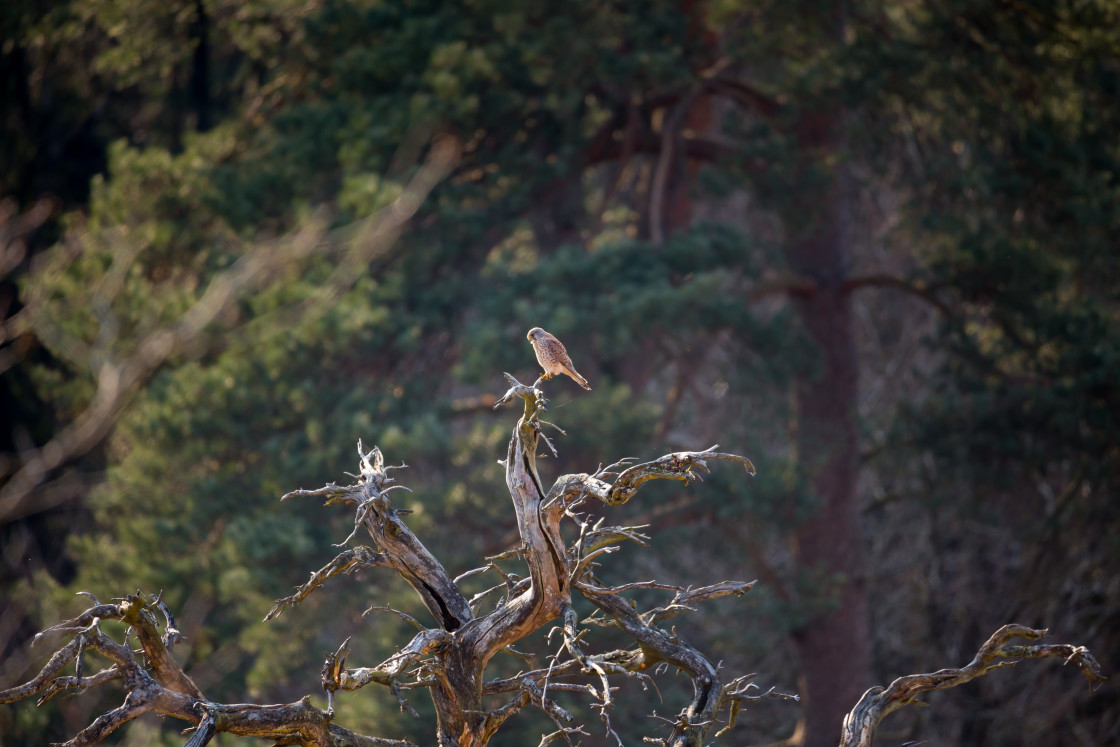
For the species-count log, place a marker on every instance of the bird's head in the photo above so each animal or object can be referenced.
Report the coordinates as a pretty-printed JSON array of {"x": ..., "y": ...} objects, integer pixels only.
[{"x": 534, "y": 333}]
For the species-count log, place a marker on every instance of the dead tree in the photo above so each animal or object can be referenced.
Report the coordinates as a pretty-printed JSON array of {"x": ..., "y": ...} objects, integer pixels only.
[{"x": 448, "y": 657}]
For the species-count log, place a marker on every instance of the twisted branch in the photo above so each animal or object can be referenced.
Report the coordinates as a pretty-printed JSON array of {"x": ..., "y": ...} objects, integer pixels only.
[{"x": 997, "y": 652}]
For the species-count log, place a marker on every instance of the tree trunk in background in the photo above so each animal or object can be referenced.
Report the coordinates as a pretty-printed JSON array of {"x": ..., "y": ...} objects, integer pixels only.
[{"x": 834, "y": 645}]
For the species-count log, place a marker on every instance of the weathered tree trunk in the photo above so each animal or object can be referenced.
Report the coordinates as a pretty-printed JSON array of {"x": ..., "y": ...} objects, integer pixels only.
[
  {"x": 459, "y": 713},
  {"x": 462, "y": 720}
]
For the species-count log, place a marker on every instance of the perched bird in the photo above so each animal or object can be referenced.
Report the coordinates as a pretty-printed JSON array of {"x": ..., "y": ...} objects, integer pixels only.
[{"x": 553, "y": 357}]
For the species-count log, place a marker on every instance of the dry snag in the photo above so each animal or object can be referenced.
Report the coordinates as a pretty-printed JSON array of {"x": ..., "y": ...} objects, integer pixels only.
[{"x": 448, "y": 655}]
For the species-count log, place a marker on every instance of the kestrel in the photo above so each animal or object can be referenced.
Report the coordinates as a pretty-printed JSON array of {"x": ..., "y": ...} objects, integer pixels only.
[{"x": 553, "y": 357}]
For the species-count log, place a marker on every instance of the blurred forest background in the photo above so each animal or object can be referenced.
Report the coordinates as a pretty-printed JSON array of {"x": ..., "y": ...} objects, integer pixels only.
[{"x": 873, "y": 246}]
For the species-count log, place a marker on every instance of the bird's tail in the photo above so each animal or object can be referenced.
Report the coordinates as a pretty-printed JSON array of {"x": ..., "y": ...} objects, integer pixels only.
[{"x": 574, "y": 376}]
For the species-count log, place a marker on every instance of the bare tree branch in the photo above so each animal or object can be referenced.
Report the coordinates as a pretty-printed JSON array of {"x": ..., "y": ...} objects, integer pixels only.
[
  {"x": 686, "y": 597},
  {"x": 914, "y": 288},
  {"x": 997, "y": 652},
  {"x": 352, "y": 560},
  {"x": 399, "y": 548},
  {"x": 683, "y": 466},
  {"x": 655, "y": 645}
]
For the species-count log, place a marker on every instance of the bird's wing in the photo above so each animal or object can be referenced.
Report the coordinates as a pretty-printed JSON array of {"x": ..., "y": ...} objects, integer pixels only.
[
  {"x": 556, "y": 350},
  {"x": 557, "y": 346}
]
